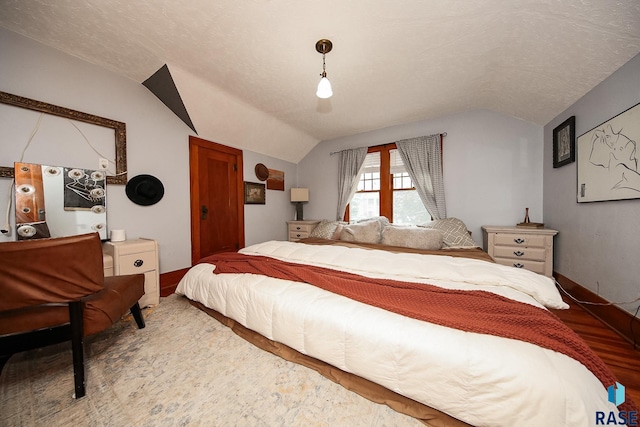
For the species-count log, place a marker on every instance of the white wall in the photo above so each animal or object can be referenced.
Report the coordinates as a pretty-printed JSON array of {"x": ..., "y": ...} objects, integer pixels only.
[
  {"x": 492, "y": 167},
  {"x": 268, "y": 222},
  {"x": 157, "y": 144},
  {"x": 597, "y": 246}
]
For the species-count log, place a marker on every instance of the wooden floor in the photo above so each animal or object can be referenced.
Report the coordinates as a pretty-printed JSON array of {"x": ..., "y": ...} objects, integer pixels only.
[{"x": 616, "y": 352}]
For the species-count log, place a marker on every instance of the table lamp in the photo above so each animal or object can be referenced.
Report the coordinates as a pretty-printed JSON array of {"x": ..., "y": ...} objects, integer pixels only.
[{"x": 299, "y": 196}]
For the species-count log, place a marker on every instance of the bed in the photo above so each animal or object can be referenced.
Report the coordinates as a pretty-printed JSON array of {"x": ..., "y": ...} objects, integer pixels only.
[{"x": 445, "y": 366}]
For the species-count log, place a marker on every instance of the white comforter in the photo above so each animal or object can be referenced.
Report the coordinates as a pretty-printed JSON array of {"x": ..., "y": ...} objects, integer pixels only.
[{"x": 480, "y": 379}]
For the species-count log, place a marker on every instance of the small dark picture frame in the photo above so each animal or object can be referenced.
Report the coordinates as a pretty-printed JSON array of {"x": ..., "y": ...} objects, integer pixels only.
[
  {"x": 254, "y": 193},
  {"x": 564, "y": 143}
]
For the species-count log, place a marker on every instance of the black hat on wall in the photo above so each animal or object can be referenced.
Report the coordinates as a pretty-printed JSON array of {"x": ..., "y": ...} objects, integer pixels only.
[{"x": 144, "y": 190}]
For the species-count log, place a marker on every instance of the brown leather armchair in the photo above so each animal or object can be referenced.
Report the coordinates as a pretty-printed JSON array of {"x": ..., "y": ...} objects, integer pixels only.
[{"x": 54, "y": 290}]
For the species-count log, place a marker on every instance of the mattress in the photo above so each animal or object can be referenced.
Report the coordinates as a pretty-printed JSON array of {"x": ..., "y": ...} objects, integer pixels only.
[{"x": 480, "y": 379}]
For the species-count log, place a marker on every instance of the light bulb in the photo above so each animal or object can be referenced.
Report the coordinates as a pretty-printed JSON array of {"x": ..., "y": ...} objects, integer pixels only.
[{"x": 324, "y": 88}]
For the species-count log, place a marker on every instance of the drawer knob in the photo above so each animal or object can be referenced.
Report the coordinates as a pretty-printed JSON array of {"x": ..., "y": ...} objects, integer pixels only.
[
  {"x": 298, "y": 235},
  {"x": 518, "y": 253},
  {"x": 298, "y": 228},
  {"x": 519, "y": 240},
  {"x": 138, "y": 263},
  {"x": 518, "y": 265}
]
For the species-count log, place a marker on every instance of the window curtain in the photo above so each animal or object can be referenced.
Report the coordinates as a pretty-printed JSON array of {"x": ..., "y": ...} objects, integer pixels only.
[
  {"x": 422, "y": 156},
  {"x": 351, "y": 162}
]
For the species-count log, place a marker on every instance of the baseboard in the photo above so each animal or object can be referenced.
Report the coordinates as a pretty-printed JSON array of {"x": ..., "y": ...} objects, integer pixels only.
[
  {"x": 169, "y": 281},
  {"x": 614, "y": 317}
]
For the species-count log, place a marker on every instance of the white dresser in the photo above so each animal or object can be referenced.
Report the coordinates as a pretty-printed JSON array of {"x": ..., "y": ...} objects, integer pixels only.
[
  {"x": 134, "y": 257},
  {"x": 521, "y": 247},
  {"x": 301, "y": 229}
]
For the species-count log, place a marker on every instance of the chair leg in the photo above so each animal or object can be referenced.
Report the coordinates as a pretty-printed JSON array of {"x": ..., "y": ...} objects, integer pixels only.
[
  {"x": 75, "y": 316},
  {"x": 137, "y": 315}
]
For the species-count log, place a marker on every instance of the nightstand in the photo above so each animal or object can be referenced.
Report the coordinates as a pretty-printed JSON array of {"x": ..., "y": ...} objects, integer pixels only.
[
  {"x": 134, "y": 257},
  {"x": 521, "y": 247},
  {"x": 301, "y": 229}
]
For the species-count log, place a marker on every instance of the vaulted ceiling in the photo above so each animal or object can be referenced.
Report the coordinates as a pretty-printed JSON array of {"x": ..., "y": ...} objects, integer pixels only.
[{"x": 247, "y": 70}]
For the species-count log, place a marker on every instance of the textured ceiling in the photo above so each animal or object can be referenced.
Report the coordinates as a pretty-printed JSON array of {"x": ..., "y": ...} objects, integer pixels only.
[{"x": 392, "y": 62}]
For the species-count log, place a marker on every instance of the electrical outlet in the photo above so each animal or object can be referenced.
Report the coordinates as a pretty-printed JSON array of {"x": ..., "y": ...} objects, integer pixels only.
[{"x": 103, "y": 164}]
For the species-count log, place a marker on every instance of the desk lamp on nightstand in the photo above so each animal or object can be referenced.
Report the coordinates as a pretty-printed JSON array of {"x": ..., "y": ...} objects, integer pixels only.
[{"x": 299, "y": 196}]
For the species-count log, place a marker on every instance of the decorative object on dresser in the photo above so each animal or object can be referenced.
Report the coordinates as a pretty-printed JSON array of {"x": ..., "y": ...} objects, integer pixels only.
[
  {"x": 299, "y": 196},
  {"x": 522, "y": 247},
  {"x": 564, "y": 146},
  {"x": 527, "y": 222},
  {"x": 137, "y": 256},
  {"x": 301, "y": 229}
]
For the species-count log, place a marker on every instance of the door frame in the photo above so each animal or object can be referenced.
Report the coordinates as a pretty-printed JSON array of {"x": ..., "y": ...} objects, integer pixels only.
[{"x": 195, "y": 144}]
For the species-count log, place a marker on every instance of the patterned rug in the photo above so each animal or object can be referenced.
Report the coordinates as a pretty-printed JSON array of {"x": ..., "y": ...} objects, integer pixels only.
[{"x": 183, "y": 369}]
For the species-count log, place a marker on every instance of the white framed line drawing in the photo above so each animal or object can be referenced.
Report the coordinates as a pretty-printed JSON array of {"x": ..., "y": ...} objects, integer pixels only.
[{"x": 608, "y": 159}]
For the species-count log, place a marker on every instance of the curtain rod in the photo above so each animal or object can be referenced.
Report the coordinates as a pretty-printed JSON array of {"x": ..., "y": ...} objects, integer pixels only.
[{"x": 443, "y": 134}]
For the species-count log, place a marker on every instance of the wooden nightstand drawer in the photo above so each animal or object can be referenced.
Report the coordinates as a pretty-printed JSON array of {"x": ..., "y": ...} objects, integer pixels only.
[
  {"x": 301, "y": 228},
  {"x": 524, "y": 253},
  {"x": 535, "y": 266},
  {"x": 138, "y": 263},
  {"x": 519, "y": 240},
  {"x": 297, "y": 235}
]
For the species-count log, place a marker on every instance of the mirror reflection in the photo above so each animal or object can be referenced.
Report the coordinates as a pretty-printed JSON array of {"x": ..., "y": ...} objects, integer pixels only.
[{"x": 56, "y": 201}]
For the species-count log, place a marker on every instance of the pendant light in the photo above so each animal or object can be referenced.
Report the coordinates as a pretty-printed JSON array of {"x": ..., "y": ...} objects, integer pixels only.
[{"x": 324, "y": 46}]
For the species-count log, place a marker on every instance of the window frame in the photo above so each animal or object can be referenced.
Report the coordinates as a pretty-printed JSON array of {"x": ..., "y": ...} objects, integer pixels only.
[{"x": 386, "y": 180}]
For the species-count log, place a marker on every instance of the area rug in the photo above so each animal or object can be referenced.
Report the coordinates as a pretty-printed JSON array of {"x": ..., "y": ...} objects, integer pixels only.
[{"x": 183, "y": 369}]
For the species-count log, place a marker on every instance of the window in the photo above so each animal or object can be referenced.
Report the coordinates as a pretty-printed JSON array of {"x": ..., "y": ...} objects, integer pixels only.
[{"x": 385, "y": 188}]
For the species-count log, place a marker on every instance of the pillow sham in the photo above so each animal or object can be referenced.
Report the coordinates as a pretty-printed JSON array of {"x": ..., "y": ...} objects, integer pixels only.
[
  {"x": 325, "y": 229},
  {"x": 366, "y": 232},
  {"x": 412, "y": 237},
  {"x": 454, "y": 231}
]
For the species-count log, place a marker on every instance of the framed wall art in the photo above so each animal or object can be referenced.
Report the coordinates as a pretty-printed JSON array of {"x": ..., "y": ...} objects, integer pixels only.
[
  {"x": 564, "y": 147},
  {"x": 254, "y": 193},
  {"x": 608, "y": 159},
  {"x": 275, "y": 180}
]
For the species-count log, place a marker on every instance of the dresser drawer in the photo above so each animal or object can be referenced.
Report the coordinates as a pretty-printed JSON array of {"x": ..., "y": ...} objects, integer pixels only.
[
  {"x": 509, "y": 239},
  {"x": 535, "y": 266},
  {"x": 137, "y": 263},
  {"x": 296, "y": 235},
  {"x": 301, "y": 228},
  {"x": 520, "y": 252}
]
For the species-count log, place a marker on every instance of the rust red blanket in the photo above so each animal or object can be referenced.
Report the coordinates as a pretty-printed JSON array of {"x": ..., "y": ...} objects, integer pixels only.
[{"x": 473, "y": 311}]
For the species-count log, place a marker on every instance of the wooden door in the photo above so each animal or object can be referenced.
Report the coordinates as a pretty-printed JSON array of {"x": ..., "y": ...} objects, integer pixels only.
[{"x": 217, "y": 203}]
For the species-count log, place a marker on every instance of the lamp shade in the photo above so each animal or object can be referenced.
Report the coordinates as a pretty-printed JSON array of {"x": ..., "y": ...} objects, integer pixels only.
[
  {"x": 299, "y": 194},
  {"x": 324, "y": 88}
]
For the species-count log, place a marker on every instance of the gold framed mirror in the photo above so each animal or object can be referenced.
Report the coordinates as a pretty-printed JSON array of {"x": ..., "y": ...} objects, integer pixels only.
[{"x": 119, "y": 128}]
